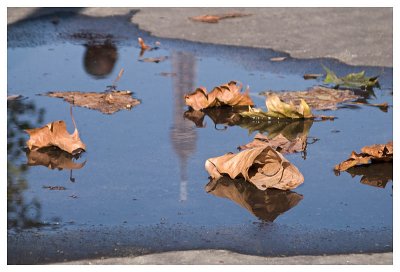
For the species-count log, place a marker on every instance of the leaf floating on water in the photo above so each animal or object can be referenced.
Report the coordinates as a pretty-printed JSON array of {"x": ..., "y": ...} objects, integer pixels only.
[
  {"x": 266, "y": 205},
  {"x": 155, "y": 60},
  {"x": 311, "y": 76},
  {"x": 14, "y": 97},
  {"x": 318, "y": 97},
  {"x": 369, "y": 154},
  {"x": 143, "y": 45},
  {"x": 278, "y": 59},
  {"x": 279, "y": 143},
  {"x": 105, "y": 102},
  {"x": 228, "y": 94},
  {"x": 279, "y": 109},
  {"x": 215, "y": 18},
  {"x": 55, "y": 134},
  {"x": 262, "y": 166},
  {"x": 53, "y": 158},
  {"x": 353, "y": 80},
  {"x": 383, "y": 106}
]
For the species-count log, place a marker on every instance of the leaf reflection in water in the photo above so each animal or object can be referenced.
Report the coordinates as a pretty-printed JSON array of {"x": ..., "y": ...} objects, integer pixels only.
[
  {"x": 266, "y": 205},
  {"x": 377, "y": 175},
  {"x": 53, "y": 157}
]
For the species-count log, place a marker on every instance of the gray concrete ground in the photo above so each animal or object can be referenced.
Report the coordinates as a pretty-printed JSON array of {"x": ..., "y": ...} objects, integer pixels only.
[
  {"x": 357, "y": 36},
  {"x": 215, "y": 257}
]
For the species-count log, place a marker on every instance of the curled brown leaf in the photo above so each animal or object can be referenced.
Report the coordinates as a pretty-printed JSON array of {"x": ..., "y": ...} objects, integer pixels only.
[
  {"x": 262, "y": 166},
  {"x": 369, "y": 154},
  {"x": 55, "y": 134},
  {"x": 228, "y": 94}
]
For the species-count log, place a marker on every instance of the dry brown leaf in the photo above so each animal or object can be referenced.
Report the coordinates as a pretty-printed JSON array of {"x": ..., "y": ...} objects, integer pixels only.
[
  {"x": 142, "y": 44},
  {"x": 53, "y": 158},
  {"x": 228, "y": 94},
  {"x": 279, "y": 143},
  {"x": 318, "y": 97},
  {"x": 262, "y": 166},
  {"x": 215, "y": 18},
  {"x": 106, "y": 102},
  {"x": 311, "y": 76},
  {"x": 382, "y": 106},
  {"x": 55, "y": 134},
  {"x": 369, "y": 154},
  {"x": 278, "y": 59},
  {"x": 266, "y": 205},
  {"x": 155, "y": 60}
]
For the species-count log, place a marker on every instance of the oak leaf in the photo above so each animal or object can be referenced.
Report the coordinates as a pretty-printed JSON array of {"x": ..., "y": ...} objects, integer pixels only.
[
  {"x": 266, "y": 205},
  {"x": 105, "y": 102},
  {"x": 55, "y": 134},
  {"x": 228, "y": 94},
  {"x": 369, "y": 154},
  {"x": 262, "y": 166}
]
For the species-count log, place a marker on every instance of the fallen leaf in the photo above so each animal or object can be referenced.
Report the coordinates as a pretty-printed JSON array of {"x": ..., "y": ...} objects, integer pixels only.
[
  {"x": 266, "y": 205},
  {"x": 383, "y": 106},
  {"x": 369, "y": 154},
  {"x": 318, "y": 97},
  {"x": 353, "y": 80},
  {"x": 55, "y": 134},
  {"x": 278, "y": 59},
  {"x": 105, "y": 102},
  {"x": 216, "y": 18},
  {"x": 311, "y": 76},
  {"x": 279, "y": 109},
  {"x": 53, "y": 158},
  {"x": 143, "y": 45},
  {"x": 279, "y": 143},
  {"x": 155, "y": 60},
  {"x": 229, "y": 116},
  {"x": 262, "y": 166},
  {"x": 228, "y": 94},
  {"x": 377, "y": 175}
]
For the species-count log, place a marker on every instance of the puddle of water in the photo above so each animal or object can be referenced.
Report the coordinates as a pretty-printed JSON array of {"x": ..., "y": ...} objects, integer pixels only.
[{"x": 146, "y": 166}]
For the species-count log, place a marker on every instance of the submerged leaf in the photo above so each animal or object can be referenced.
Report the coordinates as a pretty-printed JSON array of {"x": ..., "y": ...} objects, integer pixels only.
[
  {"x": 266, "y": 205},
  {"x": 105, "y": 102},
  {"x": 353, "y": 80},
  {"x": 53, "y": 158},
  {"x": 215, "y": 18},
  {"x": 262, "y": 166},
  {"x": 55, "y": 134},
  {"x": 318, "y": 97},
  {"x": 228, "y": 94},
  {"x": 369, "y": 154}
]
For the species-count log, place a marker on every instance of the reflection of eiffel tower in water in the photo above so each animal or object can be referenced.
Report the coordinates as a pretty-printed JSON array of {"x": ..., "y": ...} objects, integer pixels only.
[{"x": 183, "y": 134}]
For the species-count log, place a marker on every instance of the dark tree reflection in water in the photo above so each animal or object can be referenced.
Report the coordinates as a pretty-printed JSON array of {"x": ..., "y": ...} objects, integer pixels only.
[{"x": 21, "y": 213}]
